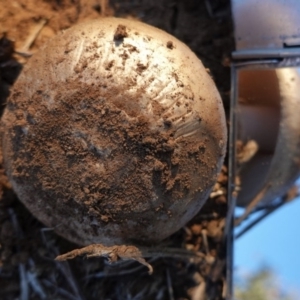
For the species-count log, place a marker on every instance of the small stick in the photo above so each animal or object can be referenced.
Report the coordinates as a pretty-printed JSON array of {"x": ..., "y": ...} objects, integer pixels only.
[
  {"x": 205, "y": 242},
  {"x": 252, "y": 205},
  {"x": 31, "y": 38}
]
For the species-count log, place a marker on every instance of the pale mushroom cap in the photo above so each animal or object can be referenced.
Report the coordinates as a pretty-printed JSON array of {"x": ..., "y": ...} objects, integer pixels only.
[{"x": 113, "y": 133}]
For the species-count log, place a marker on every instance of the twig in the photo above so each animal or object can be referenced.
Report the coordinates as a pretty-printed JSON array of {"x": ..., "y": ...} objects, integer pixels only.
[
  {"x": 267, "y": 212},
  {"x": 252, "y": 205},
  {"x": 205, "y": 242},
  {"x": 113, "y": 254},
  {"x": 31, "y": 38}
]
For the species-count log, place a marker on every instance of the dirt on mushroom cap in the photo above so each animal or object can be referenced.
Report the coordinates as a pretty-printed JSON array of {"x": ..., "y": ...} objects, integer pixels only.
[{"x": 96, "y": 165}]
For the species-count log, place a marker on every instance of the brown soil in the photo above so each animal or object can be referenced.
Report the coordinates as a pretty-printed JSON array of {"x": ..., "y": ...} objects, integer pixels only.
[{"x": 28, "y": 248}]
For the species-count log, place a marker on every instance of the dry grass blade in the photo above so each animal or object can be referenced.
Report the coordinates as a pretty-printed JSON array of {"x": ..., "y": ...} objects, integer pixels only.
[
  {"x": 22, "y": 269},
  {"x": 63, "y": 267},
  {"x": 23, "y": 283},
  {"x": 34, "y": 282},
  {"x": 59, "y": 290},
  {"x": 170, "y": 288},
  {"x": 36, "y": 286}
]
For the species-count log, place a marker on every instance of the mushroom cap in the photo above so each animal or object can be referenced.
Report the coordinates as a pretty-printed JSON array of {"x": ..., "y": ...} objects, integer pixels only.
[{"x": 114, "y": 133}]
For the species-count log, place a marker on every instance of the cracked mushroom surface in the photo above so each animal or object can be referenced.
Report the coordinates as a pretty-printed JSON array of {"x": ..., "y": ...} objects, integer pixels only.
[{"x": 114, "y": 133}]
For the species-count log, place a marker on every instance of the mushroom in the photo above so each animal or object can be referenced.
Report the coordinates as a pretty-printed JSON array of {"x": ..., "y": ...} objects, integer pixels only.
[{"x": 114, "y": 133}]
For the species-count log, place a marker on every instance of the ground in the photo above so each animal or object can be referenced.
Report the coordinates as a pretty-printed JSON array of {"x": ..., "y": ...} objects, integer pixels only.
[{"x": 28, "y": 248}]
